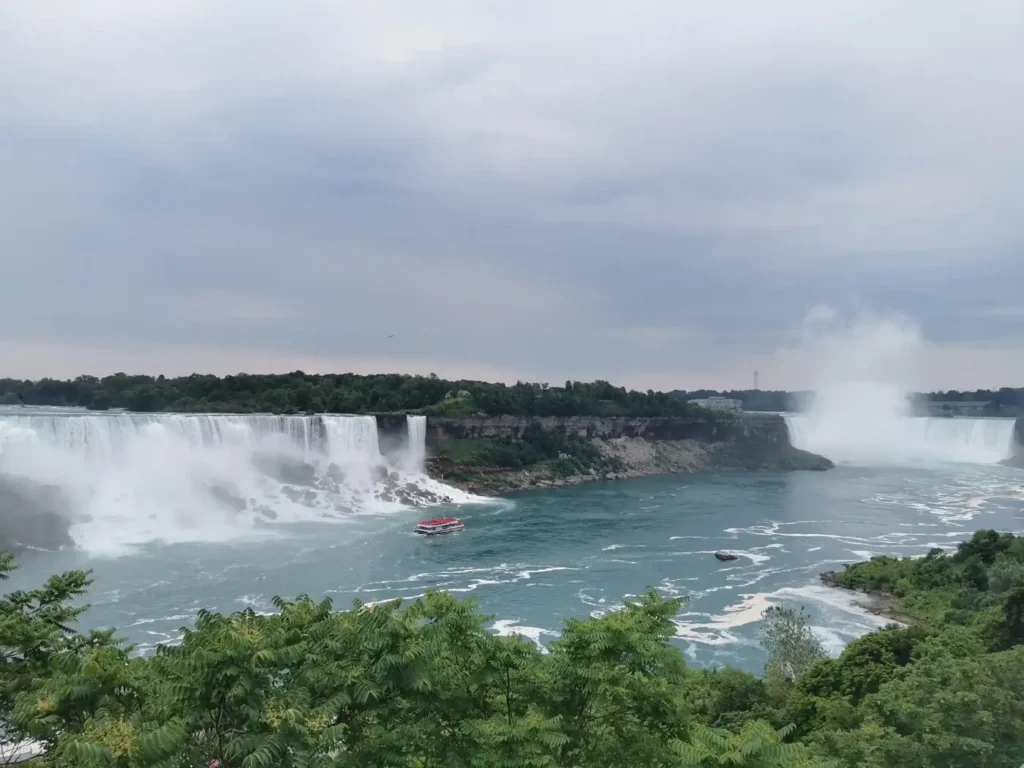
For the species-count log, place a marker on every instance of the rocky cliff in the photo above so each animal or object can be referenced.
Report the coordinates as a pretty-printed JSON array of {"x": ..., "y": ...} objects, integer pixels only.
[
  {"x": 1017, "y": 460},
  {"x": 505, "y": 453}
]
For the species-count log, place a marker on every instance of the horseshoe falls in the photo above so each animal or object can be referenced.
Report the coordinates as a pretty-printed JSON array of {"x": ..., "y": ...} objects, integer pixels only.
[{"x": 851, "y": 438}]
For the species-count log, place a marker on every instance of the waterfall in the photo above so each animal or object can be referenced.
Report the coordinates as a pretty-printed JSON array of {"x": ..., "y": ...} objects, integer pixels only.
[
  {"x": 898, "y": 439},
  {"x": 122, "y": 480},
  {"x": 352, "y": 438},
  {"x": 104, "y": 437},
  {"x": 416, "y": 427}
]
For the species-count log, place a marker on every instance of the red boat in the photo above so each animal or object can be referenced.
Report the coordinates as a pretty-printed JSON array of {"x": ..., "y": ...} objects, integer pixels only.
[{"x": 440, "y": 525}]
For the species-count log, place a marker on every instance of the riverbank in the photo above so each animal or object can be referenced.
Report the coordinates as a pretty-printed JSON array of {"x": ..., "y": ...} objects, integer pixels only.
[
  {"x": 499, "y": 456},
  {"x": 986, "y": 573},
  {"x": 877, "y": 602}
]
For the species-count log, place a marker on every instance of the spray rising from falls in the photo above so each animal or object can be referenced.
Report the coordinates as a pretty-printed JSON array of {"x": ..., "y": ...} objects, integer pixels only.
[
  {"x": 119, "y": 480},
  {"x": 904, "y": 440},
  {"x": 861, "y": 413}
]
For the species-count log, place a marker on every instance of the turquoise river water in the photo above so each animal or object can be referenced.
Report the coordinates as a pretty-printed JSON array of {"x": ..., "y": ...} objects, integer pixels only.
[{"x": 536, "y": 559}]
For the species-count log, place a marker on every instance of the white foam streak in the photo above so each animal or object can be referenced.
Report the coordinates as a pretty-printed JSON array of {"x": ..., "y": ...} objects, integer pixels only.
[{"x": 509, "y": 627}]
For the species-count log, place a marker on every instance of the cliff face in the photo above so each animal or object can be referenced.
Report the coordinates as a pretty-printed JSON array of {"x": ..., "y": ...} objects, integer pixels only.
[
  {"x": 440, "y": 429},
  {"x": 493, "y": 454}
]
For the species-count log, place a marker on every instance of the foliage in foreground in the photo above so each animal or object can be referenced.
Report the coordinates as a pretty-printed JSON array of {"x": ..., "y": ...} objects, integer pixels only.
[{"x": 425, "y": 684}]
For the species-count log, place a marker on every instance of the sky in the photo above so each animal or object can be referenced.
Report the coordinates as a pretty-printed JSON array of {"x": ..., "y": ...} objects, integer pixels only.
[{"x": 657, "y": 193}]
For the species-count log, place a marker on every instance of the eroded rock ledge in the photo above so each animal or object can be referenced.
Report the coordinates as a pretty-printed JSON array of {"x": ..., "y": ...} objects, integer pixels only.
[{"x": 495, "y": 455}]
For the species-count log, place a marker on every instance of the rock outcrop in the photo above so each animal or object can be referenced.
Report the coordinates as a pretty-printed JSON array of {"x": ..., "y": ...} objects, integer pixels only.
[
  {"x": 32, "y": 516},
  {"x": 625, "y": 448}
]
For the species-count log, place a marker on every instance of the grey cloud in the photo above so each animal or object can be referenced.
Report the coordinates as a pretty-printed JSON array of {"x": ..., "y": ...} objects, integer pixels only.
[{"x": 562, "y": 191}]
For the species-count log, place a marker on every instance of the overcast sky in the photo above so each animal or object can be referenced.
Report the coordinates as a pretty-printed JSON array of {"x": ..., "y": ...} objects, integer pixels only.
[{"x": 656, "y": 193}]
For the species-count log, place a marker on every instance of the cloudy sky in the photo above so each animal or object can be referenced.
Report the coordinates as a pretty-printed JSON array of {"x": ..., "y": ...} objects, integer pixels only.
[{"x": 655, "y": 193}]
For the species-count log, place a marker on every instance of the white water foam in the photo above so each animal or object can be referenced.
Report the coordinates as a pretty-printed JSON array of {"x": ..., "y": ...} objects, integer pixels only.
[
  {"x": 128, "y": 479},
  {"x": 847, "y": 619},
  {"x": 509, "y": 627}
]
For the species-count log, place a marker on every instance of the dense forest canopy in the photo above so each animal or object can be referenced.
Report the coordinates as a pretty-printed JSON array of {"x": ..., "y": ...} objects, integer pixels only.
[
  {"x": 300, "y": 392},
  {"x": 424, "y": 684}
]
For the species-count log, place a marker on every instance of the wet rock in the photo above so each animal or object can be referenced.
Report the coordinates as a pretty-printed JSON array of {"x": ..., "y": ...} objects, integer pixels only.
[
  {"x": 829, "y": 578},
  {"x": 32, "y": 515},
  {"x": 226, "y": 497},
  {"x": 285, "y": 469}
]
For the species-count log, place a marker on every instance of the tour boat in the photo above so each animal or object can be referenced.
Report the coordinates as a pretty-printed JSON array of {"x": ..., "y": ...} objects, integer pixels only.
[{"x": 440, "y": 525}]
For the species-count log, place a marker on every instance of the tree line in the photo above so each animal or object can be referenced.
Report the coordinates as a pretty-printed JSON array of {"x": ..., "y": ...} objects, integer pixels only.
[
  {"x": 424, "y": 683},
  {"x": 298, "y": 392},
  {"x": 1006, "y": 400}
]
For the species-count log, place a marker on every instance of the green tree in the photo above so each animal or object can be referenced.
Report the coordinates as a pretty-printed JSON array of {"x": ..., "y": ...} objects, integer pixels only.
[
  {"x": 52, "y": 677},
  {"x": 757, "y": 745},
  {"x": 792, "y": 647}
]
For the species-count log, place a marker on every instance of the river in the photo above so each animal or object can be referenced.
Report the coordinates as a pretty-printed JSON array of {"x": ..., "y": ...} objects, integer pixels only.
[{"x": 536, "y": 559}]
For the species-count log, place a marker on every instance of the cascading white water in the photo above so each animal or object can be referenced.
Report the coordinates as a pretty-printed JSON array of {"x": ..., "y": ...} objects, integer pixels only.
[
  {"x": 860, "y": 412},
  {"x": 904, "y": 439},
  {"x": 352, "y": 437},
  {"x": 416, "y": 453},
  {"x": 103, "y": 437},
  {"x": 127, "y": 479}
]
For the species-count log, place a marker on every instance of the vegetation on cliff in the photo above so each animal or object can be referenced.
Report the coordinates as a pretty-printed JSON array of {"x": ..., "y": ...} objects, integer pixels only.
[
  {"x": 485, "y": 464},
  {"x": 300, "y": 392},
  {"x": 550, "y": 455},
  {"x": 425, "y": 684}
]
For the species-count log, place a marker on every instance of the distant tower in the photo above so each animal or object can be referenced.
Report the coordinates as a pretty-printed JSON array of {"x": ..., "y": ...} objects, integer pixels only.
[{"x": 755, "y": 380}]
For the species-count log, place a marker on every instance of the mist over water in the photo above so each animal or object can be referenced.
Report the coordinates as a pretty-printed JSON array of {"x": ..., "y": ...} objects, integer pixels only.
[
  {"x": 861, "y": 413},
  {"x": 122, "y": 480}
]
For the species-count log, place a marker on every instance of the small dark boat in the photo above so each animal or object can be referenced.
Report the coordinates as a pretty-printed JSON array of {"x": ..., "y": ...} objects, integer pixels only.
[{"x": 726, "y": 556}]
